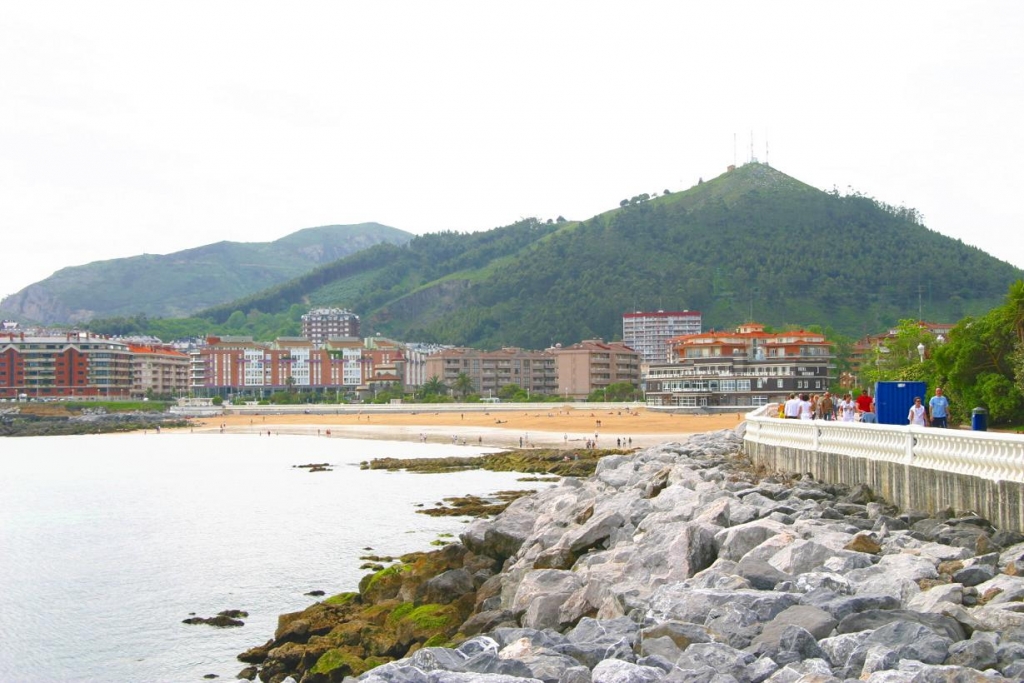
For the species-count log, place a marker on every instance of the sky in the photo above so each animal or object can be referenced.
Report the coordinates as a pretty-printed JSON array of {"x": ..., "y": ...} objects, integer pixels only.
[{"x": 150, "y": 127}]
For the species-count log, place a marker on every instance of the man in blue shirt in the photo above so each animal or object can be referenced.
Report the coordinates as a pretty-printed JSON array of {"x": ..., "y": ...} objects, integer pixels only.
[{"x": 938, "y": 407}]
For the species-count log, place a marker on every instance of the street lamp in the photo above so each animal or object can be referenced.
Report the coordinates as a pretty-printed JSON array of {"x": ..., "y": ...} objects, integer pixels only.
[{"x": 920, "y": 351}]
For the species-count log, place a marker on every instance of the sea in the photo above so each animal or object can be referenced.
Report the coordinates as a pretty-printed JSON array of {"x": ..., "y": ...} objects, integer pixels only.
[{"x": 109, "y": 542}]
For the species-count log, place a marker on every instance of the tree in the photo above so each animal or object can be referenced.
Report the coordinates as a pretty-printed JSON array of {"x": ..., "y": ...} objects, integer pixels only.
[
  {"x": 898, "y": 357},
  {"x": 619, "y": 391},
  {"x": 981, "y": 363},
  {"x": 236, "y": 321},
  {"x": 433, "y": 386},
  {"x": 509, "y": 392},
  {"x": 463, "y": 385}
]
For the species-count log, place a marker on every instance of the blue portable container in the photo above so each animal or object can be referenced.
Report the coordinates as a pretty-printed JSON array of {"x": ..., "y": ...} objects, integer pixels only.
[{"x": 893, "y": 400}]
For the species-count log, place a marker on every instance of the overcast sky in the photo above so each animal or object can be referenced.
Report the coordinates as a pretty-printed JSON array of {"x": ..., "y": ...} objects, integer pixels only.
[{"x": 150, "y": 127}]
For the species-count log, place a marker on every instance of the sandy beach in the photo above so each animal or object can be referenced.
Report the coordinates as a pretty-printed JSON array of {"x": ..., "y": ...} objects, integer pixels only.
[{"x": 545, "y": 427}]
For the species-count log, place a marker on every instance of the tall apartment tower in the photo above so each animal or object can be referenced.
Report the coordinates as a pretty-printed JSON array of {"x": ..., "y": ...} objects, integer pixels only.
[
  {"x": 648, "y": 333},
  {"x": 321, "y": 324}
]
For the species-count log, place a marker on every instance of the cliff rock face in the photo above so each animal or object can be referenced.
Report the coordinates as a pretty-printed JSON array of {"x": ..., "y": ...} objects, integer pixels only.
[
  {"x": 35, "y": 302},
  {"x": 678, "y": 563}
]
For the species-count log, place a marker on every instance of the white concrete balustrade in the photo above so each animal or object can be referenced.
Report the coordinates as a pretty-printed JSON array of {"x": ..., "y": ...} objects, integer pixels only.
[{"x": 987, "y": 455}]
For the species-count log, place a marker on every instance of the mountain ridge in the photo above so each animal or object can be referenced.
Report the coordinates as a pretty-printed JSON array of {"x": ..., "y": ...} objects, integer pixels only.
[
  {"x": 182, "y": 282},
  {"x": 750, "y": 243}
]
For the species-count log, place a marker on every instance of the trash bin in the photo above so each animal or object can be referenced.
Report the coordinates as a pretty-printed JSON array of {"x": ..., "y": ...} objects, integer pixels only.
[{"x": 979, "y": 420}]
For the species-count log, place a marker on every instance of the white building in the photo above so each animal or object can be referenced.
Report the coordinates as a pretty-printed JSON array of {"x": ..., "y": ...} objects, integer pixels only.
[{"x": 648, "y": 333}]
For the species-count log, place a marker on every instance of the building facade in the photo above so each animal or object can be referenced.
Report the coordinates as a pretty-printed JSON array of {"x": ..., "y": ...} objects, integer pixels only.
[
  {"x": 320, "y": 324},
  {"x": 239, "y": 363},
  {"x": 489, "y": 371},
  {"x": 160, "y": 370},
  {"x": 649, "y": 333},
  {"x": 594, "y": 364},
  {"x": 745, "y": 368},
  {"x": 383, "y": 365},
  {"x": 71, "y": 365},
  {"x": 416, "y": 363}
]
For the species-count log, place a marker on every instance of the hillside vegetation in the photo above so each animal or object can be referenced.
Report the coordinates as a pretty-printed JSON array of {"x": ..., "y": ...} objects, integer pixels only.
[
  {"x": 183, "y": 282},
  {"x": 752, "y": 243}
]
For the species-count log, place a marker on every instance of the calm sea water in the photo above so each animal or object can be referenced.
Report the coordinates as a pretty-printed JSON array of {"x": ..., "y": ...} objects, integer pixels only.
[{"x": 108, "y": 542}]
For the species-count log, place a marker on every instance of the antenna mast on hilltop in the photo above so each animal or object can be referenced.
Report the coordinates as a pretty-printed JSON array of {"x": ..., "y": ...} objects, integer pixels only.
[
  {"x": 752, "y": 157},
  {"x": 734, "y": 149},
  {"x": 766, "y": 149}
]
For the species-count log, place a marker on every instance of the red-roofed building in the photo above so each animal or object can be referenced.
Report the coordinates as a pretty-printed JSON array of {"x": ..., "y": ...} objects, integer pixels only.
[
  {"x": 159, "y": 370},
  {"x": 744, "y": 368}
]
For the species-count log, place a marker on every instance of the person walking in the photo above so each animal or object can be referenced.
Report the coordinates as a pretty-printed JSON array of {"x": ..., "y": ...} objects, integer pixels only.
[
  {"x": 938, "y": 407},
  {"x": 792, "y": 407},
  {"x": 865, "y": 403},
  {"x": 918, "y": 415},
  {"x": 847, "y": 409},
  {"x": 806, "y": 408},
  {"x": 827, "y": 407}
]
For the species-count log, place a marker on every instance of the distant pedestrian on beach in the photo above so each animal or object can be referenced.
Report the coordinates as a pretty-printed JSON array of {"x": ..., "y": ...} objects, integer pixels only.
[{"x": 938, "y": 406}]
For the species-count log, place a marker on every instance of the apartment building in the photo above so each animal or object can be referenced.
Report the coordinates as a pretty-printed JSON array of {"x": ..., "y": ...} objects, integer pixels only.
[
  {"x": 320, "y": 324},
  {"x": 594, "y": 364},
  {"x": 159, "y": 369},
  {"x": 743, "y": 368},
  {"x": 489, "y": 371},
  {"x": 649, "y": 333},
  {"x": 416, "y": 363},
  {"x": 68, "y": 365},
  {"x": 383, "y": 364},
  {"x": 241, "y": 363}
]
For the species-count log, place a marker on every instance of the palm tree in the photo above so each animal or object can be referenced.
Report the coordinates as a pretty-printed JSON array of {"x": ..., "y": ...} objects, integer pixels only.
[
  {"x": 433, "y": 386},
  {"x": 463, "y": 384}
]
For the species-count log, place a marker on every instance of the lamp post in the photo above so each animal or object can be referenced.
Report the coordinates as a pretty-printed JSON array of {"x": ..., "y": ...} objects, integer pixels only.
[{"x": 920, "y": 351}]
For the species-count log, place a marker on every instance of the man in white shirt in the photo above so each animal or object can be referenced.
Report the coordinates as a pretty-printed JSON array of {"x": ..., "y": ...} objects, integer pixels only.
[{"x": 791, "y": 409}]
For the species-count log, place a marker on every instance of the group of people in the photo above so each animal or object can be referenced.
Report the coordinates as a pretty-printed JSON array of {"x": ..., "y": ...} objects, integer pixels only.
[
  {"x": 847, "y": 409},
  {"x": 827, "y": 407}
]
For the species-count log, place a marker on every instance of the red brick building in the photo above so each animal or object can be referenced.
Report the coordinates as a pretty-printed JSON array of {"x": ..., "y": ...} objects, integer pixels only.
[{"x": 75, "y": 364}]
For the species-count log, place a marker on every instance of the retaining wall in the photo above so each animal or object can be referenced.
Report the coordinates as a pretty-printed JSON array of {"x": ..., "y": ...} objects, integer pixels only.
[{"x": 915, "y": 468}]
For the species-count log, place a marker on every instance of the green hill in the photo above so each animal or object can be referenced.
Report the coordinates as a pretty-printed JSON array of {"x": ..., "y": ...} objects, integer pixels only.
[
  {"x": 752, "y": 243},
  {"x": 181, "y": 283}
]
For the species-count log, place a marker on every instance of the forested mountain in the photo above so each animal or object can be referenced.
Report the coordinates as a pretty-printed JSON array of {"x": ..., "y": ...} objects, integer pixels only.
[
  {"x": 753, "y": 243},
  {"x": 181, "y": 283}
]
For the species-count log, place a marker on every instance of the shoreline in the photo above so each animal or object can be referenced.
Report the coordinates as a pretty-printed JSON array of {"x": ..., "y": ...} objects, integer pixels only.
[{"x": 561, "y": 428}]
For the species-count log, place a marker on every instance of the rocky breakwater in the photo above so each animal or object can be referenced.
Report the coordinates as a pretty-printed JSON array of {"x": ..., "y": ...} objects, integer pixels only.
[
  {"x": 681, "y": 563},
  {"x": 61, "y": 422}
]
